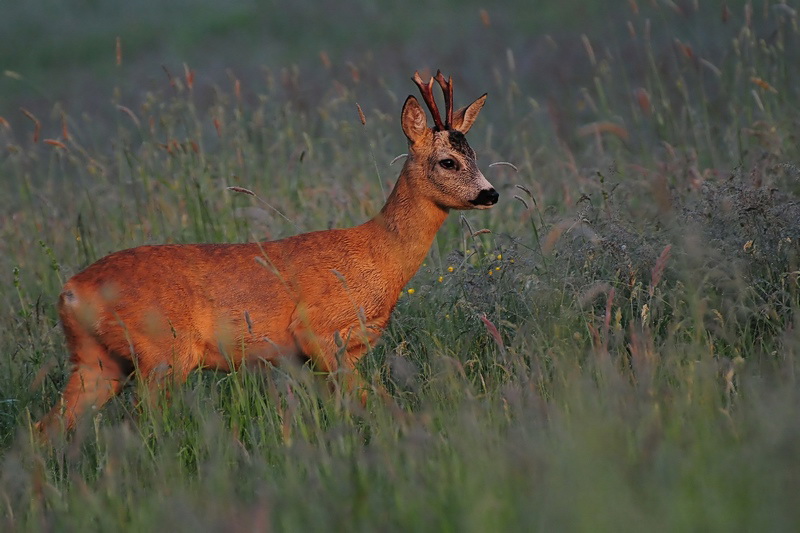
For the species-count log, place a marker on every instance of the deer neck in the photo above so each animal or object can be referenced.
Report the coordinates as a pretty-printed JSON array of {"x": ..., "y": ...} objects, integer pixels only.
[{"x": 409, "y": 221}]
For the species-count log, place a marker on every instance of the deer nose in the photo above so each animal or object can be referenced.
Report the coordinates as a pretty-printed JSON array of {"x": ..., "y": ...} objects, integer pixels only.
[{"x": 486, "y": 197}]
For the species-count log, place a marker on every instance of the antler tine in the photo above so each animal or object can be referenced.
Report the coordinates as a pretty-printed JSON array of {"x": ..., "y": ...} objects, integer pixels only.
[
  {"x": 447, "y": 89},
  {"x": 427, "y": 94}
]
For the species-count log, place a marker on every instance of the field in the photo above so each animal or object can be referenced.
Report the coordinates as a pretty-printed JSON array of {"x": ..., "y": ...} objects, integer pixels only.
[{"x": 613, "y": 347}]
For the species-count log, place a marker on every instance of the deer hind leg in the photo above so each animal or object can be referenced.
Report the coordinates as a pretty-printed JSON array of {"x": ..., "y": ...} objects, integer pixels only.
[
  {"x": 97, "y": 375},
  {"x": 161, "y": 366}
]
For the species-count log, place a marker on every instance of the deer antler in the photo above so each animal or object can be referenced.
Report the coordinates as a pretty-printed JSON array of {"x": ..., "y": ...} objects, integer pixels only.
[
  {"x": 427, "y": 94},
  {"x": 447, "y": 89}
]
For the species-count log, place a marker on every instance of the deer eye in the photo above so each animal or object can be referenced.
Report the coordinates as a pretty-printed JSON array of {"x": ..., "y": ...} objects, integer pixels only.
[{"x": 448, "y": 164}]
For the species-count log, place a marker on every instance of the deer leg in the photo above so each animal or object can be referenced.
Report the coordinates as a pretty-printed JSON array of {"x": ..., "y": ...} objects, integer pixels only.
[
  {"x": 342, "y": 352},
  {"x": 97, "y": 376},
  {"x": 159, "y": 373}
]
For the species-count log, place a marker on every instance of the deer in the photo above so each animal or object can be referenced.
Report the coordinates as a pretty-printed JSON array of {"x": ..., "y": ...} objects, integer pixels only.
[{"x": 324, "y": 296}]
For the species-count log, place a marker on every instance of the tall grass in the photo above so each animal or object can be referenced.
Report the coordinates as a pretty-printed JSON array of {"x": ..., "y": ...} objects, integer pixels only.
[{"x": 617, "y": 352}]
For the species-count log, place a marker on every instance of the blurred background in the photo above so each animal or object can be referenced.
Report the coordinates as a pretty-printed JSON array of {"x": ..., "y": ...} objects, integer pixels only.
[
  {"x": 88, "y": 56},
  {"x": 66, "y": 50}
]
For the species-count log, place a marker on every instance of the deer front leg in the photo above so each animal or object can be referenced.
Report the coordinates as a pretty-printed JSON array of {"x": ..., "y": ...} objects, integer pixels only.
[{"x": 338, "y": 353}]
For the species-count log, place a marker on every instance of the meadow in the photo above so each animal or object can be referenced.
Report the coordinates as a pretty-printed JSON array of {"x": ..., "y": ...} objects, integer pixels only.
[{"x": 612, "y": 347}]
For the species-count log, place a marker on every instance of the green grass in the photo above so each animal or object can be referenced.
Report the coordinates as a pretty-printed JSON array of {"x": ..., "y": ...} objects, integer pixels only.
[{"x": 634, "y": 387}]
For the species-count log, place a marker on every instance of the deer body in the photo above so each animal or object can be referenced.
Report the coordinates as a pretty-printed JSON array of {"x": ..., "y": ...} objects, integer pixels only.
[{"x": 325, "y": 295}]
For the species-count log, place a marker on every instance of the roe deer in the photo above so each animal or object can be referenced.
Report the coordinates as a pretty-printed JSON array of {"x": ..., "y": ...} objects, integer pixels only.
[{"x": 324, "y": 295}]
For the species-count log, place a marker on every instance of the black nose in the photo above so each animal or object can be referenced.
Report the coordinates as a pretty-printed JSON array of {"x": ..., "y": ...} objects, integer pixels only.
[{"x": 486, "y": 197}]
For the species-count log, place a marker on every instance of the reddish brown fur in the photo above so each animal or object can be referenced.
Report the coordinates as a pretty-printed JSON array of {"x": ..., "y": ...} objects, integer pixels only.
[{"x": 166, "y": 310}]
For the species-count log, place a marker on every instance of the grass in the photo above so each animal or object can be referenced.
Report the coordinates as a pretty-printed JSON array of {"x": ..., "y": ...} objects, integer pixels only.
[{"x": 618, "y": 352}]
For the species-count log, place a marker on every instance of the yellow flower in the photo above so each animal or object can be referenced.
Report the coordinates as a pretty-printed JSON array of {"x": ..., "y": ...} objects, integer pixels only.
[
  {"x": 499, "y": 257},
  {"x": 497, "y": 268},
  {"x": 491, "y": 273},
  {"x": 447, "y": 316},
  {"x": 411, "y": 291},
  {"x": 510, "y": 260},
  {"x": 441, "y": 279},
  {"x": 450, "y": 269}
]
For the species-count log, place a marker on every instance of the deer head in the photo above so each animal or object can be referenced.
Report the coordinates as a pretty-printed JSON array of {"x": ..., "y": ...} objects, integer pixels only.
[{"x": 443, "y": 164}]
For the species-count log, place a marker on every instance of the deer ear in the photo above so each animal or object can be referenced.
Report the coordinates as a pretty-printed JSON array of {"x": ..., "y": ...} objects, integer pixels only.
[
  {"x": 465, "y": 117},
  {"x": 415, "y": 123}
]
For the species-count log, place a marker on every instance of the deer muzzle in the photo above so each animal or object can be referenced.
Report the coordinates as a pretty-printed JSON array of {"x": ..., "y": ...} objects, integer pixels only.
[{"x": 486, "y": 198}]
